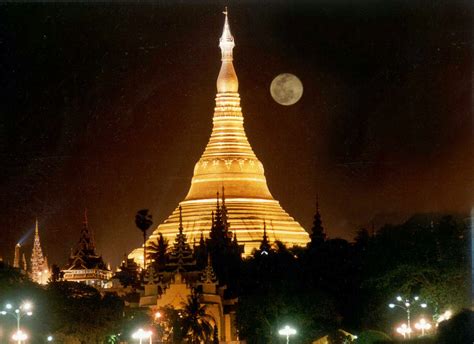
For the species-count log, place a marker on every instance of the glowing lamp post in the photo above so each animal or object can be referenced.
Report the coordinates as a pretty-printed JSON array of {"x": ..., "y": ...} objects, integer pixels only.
[
  {"x": 24, "y": 309},
  {"x": 406, "y": 305},
  {"x": 404, "y": 330},
  {"x": 287, "y": 331},
  {"x": 142, "y": 334},
  {"x": 423, "y": 326},
  {"x": 19, "y": 336}
]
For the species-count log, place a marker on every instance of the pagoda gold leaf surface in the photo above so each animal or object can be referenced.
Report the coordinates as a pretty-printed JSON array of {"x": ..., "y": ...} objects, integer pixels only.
[{"x": 229, "y": 163}]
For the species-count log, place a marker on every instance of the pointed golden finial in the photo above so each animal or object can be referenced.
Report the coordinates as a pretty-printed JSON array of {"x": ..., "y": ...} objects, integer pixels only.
[
  {"x": 36, "y": 227},
  {"x": 227, "y": 79},
  {"x": 226, "y": 42}
]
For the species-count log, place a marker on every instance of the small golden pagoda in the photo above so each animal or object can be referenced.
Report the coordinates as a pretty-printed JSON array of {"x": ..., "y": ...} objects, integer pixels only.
[{"x": 229, "y": 163}]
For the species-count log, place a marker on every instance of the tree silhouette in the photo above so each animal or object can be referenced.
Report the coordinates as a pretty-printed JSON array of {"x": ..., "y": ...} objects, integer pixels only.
[
  {"x": 158, "y": 252},
  {"x": 143, "y": 221},
  {"x": 196, "y": 323}
]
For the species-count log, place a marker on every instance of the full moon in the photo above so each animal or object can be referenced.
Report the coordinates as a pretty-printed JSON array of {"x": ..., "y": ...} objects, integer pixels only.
[{"x": 286, "y": 89}]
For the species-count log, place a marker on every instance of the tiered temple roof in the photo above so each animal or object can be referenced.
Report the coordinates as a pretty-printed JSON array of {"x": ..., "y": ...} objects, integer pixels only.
[{"x": 85, "y": 265}]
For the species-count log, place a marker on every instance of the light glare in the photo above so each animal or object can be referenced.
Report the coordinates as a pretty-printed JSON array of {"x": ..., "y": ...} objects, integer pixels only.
[
  {"x": 287, "y": 331},
  {"x": 20, "y": 335},
  {"x": 141, "y": 334}
]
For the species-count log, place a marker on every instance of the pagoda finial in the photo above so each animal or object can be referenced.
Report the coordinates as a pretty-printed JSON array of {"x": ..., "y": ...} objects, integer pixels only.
[
  {"x": 318, "y": 235},
  {"x": 226, "y": 41},
  {"x": 36, "y": 227},
  {"x": 180, "y": 220},
  {"x": 86, "y": 240},
  {"x": 218, "y": 206},
  {"x": 264, "y": 244},
  {"x": 227, "y": 79},
  {"x": 201, "y": 239},
  {"x": 208, "y": 276},
  {"x": 86, "y": 222}
]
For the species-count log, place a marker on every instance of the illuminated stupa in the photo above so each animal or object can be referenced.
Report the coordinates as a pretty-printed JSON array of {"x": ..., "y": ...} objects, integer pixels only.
[{"x": 229, "y": 163}]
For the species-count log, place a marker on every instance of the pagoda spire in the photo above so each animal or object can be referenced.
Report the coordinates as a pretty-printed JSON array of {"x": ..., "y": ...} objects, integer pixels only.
[
  {"x": 39, "y": 266},
  {"x": 86, "y": 240},
  {"x": 227, "y": 81},
  {"x": 202, "y": 242},
  {"x": 208, "y": 276},
  {"x": 318, "y": 235},
  {"x": 218, "y": 215},
  {"x": 265, "y": 244},
  {"x": 180, "y": 228},
  {"x": 181, "y": 254},
  {"x": 224, "y": 213}
]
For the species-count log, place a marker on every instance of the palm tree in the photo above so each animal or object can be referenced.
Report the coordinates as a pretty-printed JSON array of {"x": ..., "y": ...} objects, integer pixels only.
[
  {"x": 196, "y": 323},
  {"x": 143, "y": 220},
  {"x": 157, "y": 252}
]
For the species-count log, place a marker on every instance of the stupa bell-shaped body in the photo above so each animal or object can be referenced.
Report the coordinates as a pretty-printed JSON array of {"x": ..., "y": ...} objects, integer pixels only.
[{"x": 229, "y": 163}]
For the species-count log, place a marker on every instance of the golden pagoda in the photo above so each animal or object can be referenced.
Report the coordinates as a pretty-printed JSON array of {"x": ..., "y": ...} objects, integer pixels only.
[{"x": 229, "y": 163}]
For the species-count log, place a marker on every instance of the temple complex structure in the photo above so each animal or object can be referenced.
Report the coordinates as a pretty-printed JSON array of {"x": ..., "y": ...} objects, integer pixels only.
[
  {"x": 183, "y": 274},
  {"x": 229, "y": 163},
  {"x": 85, "y": 265}
]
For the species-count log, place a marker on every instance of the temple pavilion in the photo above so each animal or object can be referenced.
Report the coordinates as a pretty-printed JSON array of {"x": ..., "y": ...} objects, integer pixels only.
[{"x": 84, "y": 264}]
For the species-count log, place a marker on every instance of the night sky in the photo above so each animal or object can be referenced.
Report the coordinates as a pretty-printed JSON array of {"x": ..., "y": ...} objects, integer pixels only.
[{"x": 108, "y": 107}]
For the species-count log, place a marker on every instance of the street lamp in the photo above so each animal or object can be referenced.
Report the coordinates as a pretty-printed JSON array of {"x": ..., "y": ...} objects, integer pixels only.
[
  {"x": 406, "y": 304},
  {"x": 423, "y": 326},
  {"x": 404, "y": 330},
  {"x": 287, "y": 331},
  {"x": 142, "y": 334},
  {"x": 24, "y": 309},
  {"x": 19, "y": 336},
  {"x": 49, "y": 338}
]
